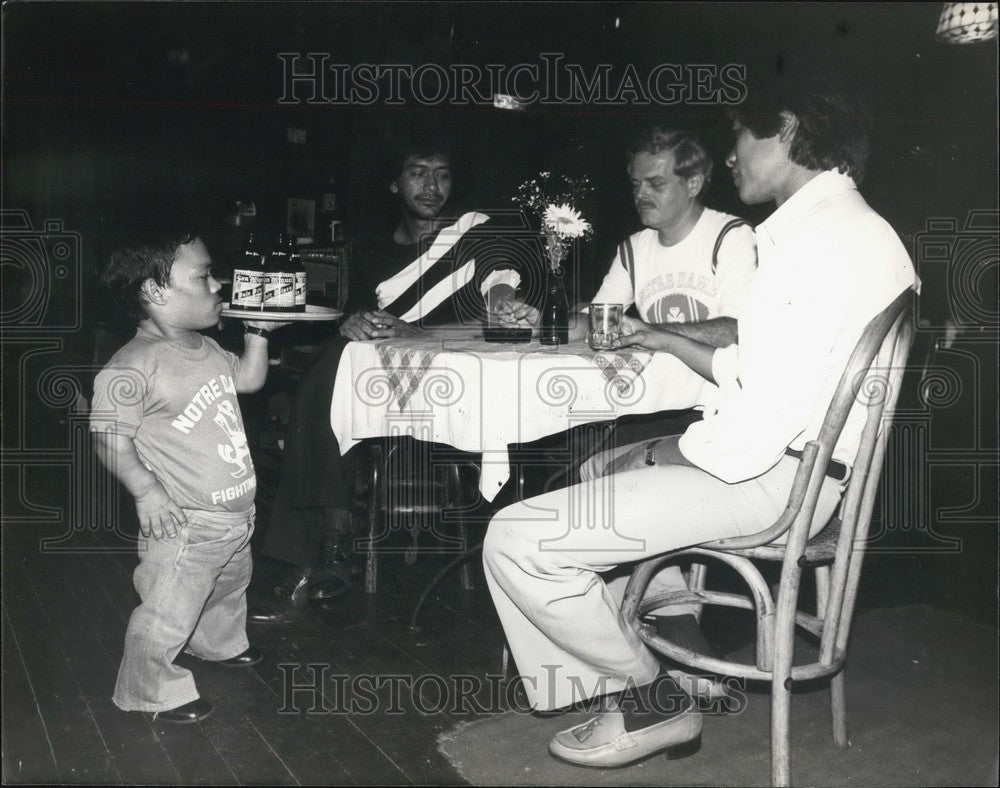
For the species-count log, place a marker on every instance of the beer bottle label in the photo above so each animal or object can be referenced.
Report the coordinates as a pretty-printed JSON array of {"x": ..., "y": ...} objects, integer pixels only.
[
  {"x": 300, "y": 288},
  {"x": 279, "y": 291},
  {"x": 248, "y": 287}
]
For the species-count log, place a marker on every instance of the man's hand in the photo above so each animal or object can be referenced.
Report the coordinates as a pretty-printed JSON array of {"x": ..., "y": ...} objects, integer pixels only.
[
  {"x": 356, "y": 327},
  {"x": 513, "y": 311},
  {"x": 267, "y": 325},
  {"x": 159, "y": 516},
  {"x": 377, "y": 324},
  {"x": 635, "y": 333},
  {"x": 697, "y": 355},
  {"x": 630, "y": 325}
]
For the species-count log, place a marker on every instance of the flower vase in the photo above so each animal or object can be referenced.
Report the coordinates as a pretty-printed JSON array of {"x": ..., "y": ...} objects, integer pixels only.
[{"x": 555, "y": 309}]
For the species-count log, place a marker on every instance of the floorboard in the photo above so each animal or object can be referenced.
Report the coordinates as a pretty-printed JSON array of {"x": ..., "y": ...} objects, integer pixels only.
[
  {"x": 28, "y": 755},
  {"x": 80, "y": 751}
]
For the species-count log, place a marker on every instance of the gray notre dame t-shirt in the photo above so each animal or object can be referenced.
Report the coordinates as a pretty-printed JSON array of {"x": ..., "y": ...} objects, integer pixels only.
[{"x": 179, "y": 406}]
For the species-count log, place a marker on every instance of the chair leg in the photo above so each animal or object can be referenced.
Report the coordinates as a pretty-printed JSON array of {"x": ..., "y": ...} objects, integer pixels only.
[
  {"x": 462, "y": 559},
  {"x": 822, "y": 590},
  {"x": 371, "y": 571},
  {"x": 465, "y": 572},
  {"x": 696, "y": 582},
  {"x": 374, "y": 513},
  {"x": 781, "y": 698},
  {"x": 838, "y": 708},
  {"x": 781, "y": 682}
]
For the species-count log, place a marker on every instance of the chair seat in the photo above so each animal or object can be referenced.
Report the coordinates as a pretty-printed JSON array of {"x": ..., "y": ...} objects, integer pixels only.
[{"x": 821, "y": 549}]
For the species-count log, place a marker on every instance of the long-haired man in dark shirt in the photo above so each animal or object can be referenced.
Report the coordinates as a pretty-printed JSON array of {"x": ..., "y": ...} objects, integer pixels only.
[{"x": 431, "y": 271}]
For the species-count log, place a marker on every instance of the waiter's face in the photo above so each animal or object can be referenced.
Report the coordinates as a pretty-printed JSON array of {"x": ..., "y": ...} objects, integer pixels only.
[{"x": 424, "y": 185}]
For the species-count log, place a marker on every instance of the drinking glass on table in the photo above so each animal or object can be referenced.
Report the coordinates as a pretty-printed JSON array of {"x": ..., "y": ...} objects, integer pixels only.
[{"x": 605, "y": 325}]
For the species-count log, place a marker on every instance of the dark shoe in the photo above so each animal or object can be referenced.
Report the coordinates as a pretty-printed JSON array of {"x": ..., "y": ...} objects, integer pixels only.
[
  {"x": 251, "y": 656},
  {"x": 332, "y": 577},
  {"x": 330, "y": 584},
  {"x": 288, "y": 602},
  {"x": 195, "y": 711}
]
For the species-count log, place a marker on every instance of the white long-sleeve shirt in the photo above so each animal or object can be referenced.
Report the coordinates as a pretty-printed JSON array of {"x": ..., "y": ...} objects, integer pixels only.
[{"x": 827, "y": 264}]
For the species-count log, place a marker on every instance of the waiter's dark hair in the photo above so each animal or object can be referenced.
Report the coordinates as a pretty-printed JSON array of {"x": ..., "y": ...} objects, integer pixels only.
[
  {"x": 834, "y": 128},
  {"x": 690, "y": 155},
  {"x": 138, "y": 260},
  {"x": 421, "y": 144}
]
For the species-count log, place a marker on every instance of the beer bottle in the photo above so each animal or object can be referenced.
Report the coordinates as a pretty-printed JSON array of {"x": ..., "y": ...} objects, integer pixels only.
[
  {"x": 298, "y": 267},
  {"x": 279, "y": 279},
  {"x": 248, "y": 277}
]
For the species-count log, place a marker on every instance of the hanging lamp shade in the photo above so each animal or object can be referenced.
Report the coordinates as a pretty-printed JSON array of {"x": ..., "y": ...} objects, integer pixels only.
[{"x": 966, "y": 23}]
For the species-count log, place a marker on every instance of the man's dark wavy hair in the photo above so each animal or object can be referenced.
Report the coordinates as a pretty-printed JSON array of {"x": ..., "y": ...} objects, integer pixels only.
[
  {"x": 834, "y": 127},
  {"x": 135, "y": 261},
  {"x": 421, "y": 143}
]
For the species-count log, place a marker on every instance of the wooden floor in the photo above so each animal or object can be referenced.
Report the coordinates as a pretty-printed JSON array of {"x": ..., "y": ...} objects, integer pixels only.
[
  {"x": 63, "y": 626},
  {"x": 66, "y": 603}
]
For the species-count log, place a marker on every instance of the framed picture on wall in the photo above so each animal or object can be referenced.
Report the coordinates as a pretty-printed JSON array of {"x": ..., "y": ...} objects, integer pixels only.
[{"x": 300, "y": 220}]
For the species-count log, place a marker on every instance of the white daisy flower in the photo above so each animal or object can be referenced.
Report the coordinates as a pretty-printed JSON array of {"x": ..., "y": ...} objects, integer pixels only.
[{"x": 565, "y": 222}]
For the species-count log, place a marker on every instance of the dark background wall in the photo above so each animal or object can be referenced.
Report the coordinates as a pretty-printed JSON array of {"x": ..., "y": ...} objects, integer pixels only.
[
  {"x": 112, "y": 109},
  {"x": 116, "y": 112}
]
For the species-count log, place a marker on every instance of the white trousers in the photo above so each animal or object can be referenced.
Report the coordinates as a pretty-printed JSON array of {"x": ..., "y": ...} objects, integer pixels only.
[
  {"x": 669, "y": 578},
  {"x": 543, "y": 557}
]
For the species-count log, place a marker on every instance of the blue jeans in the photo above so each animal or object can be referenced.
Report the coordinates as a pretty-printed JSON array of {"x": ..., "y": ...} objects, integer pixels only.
[{"x": 193, "y": 592}]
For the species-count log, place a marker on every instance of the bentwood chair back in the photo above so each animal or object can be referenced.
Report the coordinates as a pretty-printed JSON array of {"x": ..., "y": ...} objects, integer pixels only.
[{"x": 874, "y": 372}]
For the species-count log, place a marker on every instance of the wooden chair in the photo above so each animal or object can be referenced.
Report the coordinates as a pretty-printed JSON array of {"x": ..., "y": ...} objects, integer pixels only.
[{"x": 875, "y": 369}]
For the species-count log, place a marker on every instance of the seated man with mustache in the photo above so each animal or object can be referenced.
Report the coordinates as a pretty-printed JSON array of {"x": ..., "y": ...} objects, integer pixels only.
[{"x": 688, "y": 272}]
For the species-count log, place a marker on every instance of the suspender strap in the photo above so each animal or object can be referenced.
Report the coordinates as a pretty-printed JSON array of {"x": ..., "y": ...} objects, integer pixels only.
[
  {"x": 627, "y": 256},
  {"x": 722, "y": 234}
]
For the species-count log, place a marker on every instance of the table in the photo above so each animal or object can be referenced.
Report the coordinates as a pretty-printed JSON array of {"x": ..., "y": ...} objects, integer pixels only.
[{"x": 454, "y": 388}]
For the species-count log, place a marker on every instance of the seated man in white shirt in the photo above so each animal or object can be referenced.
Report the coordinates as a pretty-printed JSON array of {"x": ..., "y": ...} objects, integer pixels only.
[
  {"x": 827, "y": 265},
  {"x": 688, "y": 272},
  {"x": 690, "y": 268}
]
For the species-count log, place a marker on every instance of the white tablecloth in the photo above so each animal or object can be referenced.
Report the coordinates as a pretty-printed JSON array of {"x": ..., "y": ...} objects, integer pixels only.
[{"x": 480, "y": 397}]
